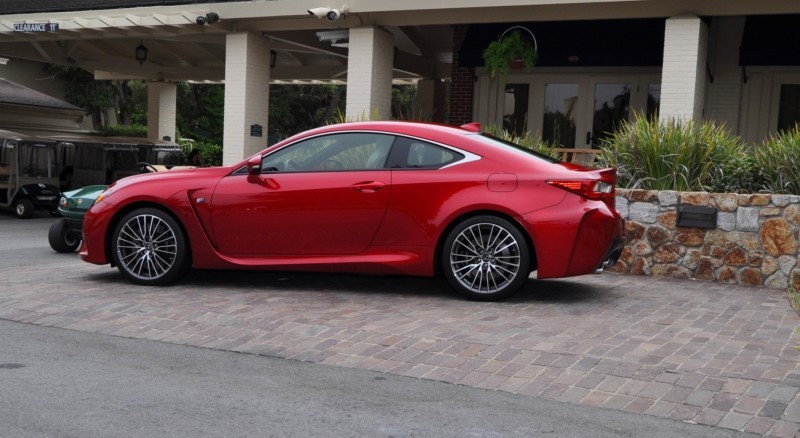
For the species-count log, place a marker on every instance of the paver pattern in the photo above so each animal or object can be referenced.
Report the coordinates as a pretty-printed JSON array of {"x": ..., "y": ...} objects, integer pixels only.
[{"x": 714, "y": 354}]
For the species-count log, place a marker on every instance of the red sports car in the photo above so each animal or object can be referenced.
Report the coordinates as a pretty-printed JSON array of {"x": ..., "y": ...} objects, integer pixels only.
[{"x": 370, "y": 197}]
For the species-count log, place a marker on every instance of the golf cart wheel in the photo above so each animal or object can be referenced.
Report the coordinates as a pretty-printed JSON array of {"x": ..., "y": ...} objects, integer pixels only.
[
  {"x": 24, "y": 208},
  {"x": 61, "y": 238}
]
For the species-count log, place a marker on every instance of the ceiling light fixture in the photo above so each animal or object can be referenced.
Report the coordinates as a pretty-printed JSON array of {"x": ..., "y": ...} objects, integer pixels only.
[{"x": 141, "y": 53}]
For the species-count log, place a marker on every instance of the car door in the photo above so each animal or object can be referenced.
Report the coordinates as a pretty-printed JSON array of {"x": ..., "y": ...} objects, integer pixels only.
[{"x": 321, "y": 196}]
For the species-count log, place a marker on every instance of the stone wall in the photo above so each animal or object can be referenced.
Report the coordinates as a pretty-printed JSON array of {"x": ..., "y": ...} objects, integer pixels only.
[{"x": 755, "y": 241}]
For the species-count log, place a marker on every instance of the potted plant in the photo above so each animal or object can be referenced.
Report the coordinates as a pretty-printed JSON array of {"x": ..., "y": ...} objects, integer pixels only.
[{"x": 511, "y": 49}]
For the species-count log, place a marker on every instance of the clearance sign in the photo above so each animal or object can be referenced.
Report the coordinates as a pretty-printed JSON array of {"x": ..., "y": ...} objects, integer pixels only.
[{"x": 35, "y": 27}]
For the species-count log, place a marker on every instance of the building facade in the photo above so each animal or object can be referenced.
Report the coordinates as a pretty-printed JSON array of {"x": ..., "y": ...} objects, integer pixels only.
[{"x": 600, "y": 61}]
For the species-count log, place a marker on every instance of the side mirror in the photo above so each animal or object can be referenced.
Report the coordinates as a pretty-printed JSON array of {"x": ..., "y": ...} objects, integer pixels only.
[{"x": 254, "y": 165}]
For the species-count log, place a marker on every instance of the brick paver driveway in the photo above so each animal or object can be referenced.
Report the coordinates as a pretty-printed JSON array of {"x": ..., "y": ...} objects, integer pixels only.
[{"x": 708, "y": 353}]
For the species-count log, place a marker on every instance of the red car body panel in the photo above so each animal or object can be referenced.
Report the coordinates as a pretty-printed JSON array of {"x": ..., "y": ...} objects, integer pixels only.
[{"x": 375, "y": 221}]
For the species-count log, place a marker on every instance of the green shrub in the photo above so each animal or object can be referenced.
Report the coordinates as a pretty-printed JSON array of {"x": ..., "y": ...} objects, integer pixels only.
[
  {"x": 210, "y": 152},
  {"x": 777, "y": 160},
  {"x": 123, "y": 131},
  {"x": 689, "y": 156},
  {"x": 737, "y": 173},
  {"x": 526, "y": 139}
]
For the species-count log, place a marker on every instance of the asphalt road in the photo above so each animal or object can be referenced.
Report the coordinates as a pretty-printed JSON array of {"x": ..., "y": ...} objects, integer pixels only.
[{"x": 61, "y": 383}]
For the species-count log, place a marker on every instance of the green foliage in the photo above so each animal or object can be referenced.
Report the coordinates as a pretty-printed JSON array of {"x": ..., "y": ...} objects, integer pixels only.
[
  {"x": 509, "y": 48},
  {"x": 526, "y": 139},
  {"x": 777, "y": 159},
  {"x": 687, "y": 156},
  {"x": 210, "y": 152},
  {"x": 82, "y": 90},
  {"x": 737, "y": 173},
  {"x": 122, "y": 131},
  {"x": 296, "y": 108},
  {"x": 137, "y": 103},
  {"x": 200, "y": 111}
]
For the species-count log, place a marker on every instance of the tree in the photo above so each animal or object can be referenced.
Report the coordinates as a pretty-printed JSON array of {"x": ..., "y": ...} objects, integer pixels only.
[{"x": 96, "y": 97}]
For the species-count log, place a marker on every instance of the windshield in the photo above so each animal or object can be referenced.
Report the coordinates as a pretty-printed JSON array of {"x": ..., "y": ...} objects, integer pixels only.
[
  {"x": 499, "y": 142},
  {"x": 37, "y": 160},
  {"x": 169, "y": 158}
]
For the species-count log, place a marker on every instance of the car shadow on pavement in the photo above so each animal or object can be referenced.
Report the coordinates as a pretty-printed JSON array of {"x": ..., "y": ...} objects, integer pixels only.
[{"x": 542, "y": 291}]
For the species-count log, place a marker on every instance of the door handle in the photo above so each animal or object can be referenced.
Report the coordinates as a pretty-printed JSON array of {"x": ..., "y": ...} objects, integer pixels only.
[{"x": 368, "y": 186}]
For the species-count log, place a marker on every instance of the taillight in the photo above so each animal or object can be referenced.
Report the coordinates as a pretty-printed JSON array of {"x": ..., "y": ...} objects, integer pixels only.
[
  {"x": 589, "y": 189},
  {"x": 600, "y": 188}
]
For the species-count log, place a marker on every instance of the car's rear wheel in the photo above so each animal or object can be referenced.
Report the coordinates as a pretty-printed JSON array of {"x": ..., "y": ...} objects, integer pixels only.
[
  {"x": 61, "y": 238},
  {"x": 486, "y": 258},
  {"x": 149, "y": 247}
]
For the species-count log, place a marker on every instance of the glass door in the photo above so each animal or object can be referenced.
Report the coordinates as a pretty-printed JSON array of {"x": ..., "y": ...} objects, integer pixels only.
[
  {"x": 612, "y": 106},
  {"x": 580, "y": 110}
]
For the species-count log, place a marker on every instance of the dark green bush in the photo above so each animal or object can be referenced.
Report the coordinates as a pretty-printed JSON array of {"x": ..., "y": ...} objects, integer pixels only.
[
  {"x": 777, "y": 161},
  {"x": 527, "y": 139},
  {"x": 689, "y": 156},
  {"x": 123, "y": 131}
]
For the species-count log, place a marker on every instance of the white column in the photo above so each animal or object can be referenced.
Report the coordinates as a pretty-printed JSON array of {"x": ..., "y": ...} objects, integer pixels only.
[
  {"x": 369, "y": 74},
  {"x": 246, "y": 95},
  {"x": 161, "y": 100},
  {"x": 683, "y": 77}
]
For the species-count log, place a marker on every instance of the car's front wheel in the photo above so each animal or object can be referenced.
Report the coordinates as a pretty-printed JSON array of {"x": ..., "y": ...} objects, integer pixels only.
[
  {"x": 149, "y": 247},
  {"x": 486, "y": 258}
]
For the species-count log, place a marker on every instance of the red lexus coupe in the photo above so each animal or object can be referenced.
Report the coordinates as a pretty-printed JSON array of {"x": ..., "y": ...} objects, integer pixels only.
[{"x": 369, "y": 197}]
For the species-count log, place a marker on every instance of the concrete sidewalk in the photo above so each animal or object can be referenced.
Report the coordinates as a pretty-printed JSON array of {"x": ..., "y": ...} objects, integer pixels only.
[{"x": 707, "y": 353}]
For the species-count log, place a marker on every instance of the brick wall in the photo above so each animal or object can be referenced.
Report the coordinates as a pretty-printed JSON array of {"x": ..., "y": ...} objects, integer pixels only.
[
  {"x": 755, "y": 241},
  {"x": 462, "y": 83}
]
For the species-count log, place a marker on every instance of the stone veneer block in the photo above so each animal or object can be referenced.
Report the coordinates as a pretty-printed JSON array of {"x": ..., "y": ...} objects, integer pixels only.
[
  {"x": 727, "y": 202},
  {"x": 747, "y": 218},
  {"x": 621, "y": 204},
  {"x": 643, "y": 212},
  {"x": 696, "y": 198},
  {"x": 726, "y": 221},
  {"x": 668, "y": 198}
]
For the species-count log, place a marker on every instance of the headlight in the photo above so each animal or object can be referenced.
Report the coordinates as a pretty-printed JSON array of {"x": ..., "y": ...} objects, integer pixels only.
[{"x": 63, "y": 202}]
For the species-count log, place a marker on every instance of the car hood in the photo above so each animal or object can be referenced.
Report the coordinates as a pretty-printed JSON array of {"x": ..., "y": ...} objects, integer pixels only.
[{"x": 172, "y": 175}]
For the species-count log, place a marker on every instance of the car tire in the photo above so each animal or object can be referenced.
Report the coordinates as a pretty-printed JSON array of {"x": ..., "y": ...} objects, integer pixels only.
[
  {"x": 486, "y": 258},
  {"x": 61, "y": 238},
  {"x": 24, "y": 208},
  {"x": 149, "y": 247}
]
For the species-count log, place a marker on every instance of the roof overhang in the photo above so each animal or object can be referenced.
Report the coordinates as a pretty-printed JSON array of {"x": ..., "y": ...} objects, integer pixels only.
[{"x": 103, "y": 41}]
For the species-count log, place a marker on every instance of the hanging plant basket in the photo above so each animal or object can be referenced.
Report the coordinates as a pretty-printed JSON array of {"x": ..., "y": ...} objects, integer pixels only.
[{"x": 513, "y": 48}]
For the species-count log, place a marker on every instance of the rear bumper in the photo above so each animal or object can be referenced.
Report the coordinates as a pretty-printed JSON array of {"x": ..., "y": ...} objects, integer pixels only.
[
  {"x": 575, "y": 237},
  {"x": 613, "y": 254}
]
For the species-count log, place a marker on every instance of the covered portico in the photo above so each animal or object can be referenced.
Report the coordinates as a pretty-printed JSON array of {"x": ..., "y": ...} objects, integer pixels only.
[{"x": 370, "y": 45}]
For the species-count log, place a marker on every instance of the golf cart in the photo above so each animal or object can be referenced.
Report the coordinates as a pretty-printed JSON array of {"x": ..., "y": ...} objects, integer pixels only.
[
  {"x": 28, "y": 174},
  {"x": 122, "y": 156}
]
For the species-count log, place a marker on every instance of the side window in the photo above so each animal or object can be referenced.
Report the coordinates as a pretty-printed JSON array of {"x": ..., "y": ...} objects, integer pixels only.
[
  {"x": 346, "y": 151},
  {"x": 415, "y": 154}
]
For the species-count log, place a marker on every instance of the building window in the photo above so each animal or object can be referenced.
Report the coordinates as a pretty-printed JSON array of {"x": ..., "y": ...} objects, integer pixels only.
[
  {"x": 653, "y": 101},
  {"x": 789, "y": 107},
  {"x": 560, "y": 113},
  {"x": 515, "y": 113}
]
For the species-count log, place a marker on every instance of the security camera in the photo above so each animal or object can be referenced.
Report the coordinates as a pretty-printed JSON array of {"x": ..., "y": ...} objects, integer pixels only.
[
  {"x": 330, "y": 14},
  {"x": 209, "y": 18},
  {"x": 319, "y": 12},
  {"x": 333, "y": 15}
]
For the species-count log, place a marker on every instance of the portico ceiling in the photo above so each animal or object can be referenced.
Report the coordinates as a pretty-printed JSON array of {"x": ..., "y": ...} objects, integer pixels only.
[{"x": 103, "y": 41}]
